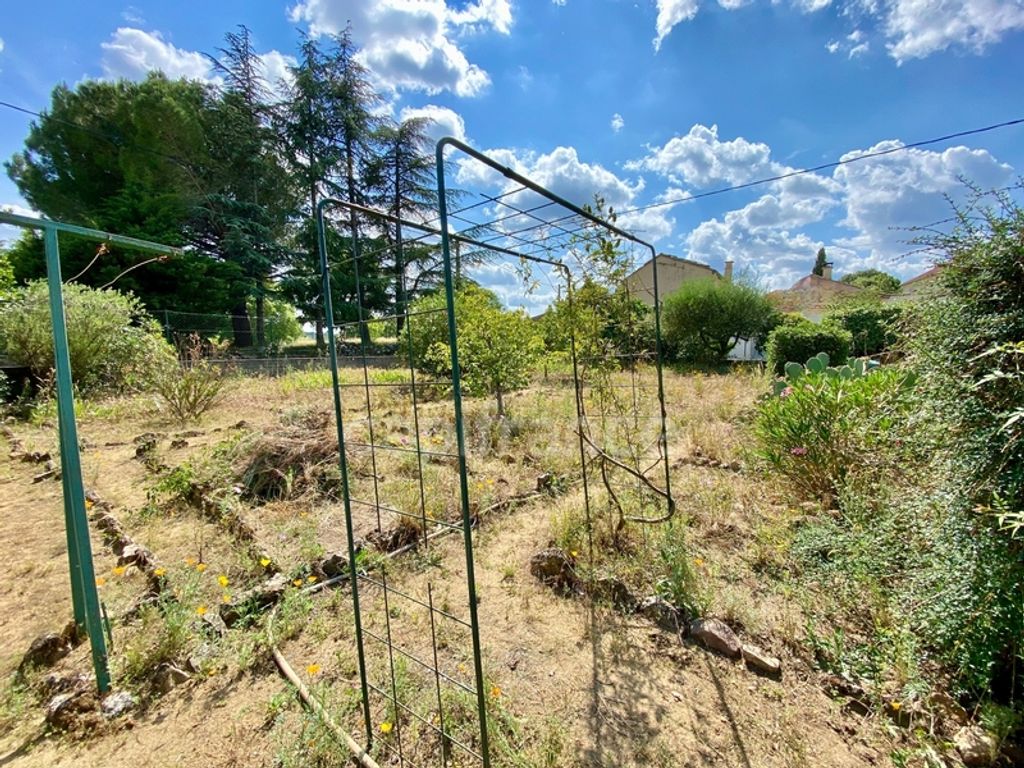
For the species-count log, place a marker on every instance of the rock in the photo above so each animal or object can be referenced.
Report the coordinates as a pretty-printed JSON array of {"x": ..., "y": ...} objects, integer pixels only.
[
  {"x": 199, "y": 659},
  {"x": 976, "y": 746},
  {"x": 544, "y": 481},
  {"x": 661, "y": 612},
  {"x": 72, "y": 710},
  {"x": 169, "y": 676},
  {"x": 46, "y": 650},
  {"x": 554, "y": 567},
  {"x": 615, "y": 592},
  {"x": 717, "y": 636},
  {"x": 117, "y": 704},
  {"x": 254, "y": 600},
  {"x": 949, "y": 715},
  {"x": 178, "y": 443},
  {"x": 760, "y": 661},
  {"x": 131, "y": 554},
  {"x": 508, "y": 458},
  {"x": 335, "y": 564},
  {"x": 735, "y": 466}
]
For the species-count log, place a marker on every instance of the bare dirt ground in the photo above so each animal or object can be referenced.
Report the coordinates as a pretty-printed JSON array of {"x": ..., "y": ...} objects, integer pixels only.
[{"x": 573, "y": 682}]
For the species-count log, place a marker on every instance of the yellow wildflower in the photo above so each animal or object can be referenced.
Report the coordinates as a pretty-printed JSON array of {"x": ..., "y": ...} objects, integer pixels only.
[
  {"x": 297, "y": 582},
  {"x": 89, "y": 504},
  {"x": 311, "y": 578},
  {"x": 159, "y": 572},
  {"x": 201, "y": 610},
  {"x": 386, "y": 727},
  {"x": 895, "y": 706},
  {"x": 225, "y": 598},
  {"x": 264, "y": 561},
  {"x": 495, "y": 691},
  {"x": 100, "y": 581},
  {"x": 201, "y": 567},
  {"x": 312, "y": 669},
  {"x": 222, "y": 580},
  {"x": 698, "y": 561},
  {"x": 190, "y": 561},
  {"x": 119, "y": 570},
  {"x": 574, "y": 553}
]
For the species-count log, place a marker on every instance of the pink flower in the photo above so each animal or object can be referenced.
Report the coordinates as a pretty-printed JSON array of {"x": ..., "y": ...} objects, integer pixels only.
[
  {"x": 786, "y": 392},
  {"x": 798, "y": 451}
]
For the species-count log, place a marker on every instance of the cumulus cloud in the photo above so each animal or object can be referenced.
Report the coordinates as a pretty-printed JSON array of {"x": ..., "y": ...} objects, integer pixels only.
[
  {"x": 443, "y": 121},
  {"x": 671, "y": 13},
  {"x": 132, "y": 53},
  {"x": 913, "y": 29},
  {"x": 918, "y": 28},
  {"x": 700, "y": 158},
  {"x": 617, "y": 122},
  {"x": 412, "y": 46}
]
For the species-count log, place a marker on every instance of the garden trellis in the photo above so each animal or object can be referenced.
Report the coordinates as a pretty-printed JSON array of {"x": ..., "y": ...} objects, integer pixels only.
[
  {"x": 540, "y": 245},
  {"x": 84, "y": 596}
]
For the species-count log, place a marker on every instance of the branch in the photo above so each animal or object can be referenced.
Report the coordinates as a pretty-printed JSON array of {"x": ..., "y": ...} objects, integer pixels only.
[{"x": 639, "y": 476}]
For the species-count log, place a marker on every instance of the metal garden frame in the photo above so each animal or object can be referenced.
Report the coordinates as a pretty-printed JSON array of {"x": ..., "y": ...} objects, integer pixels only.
[
  {"x": 84, "y": 594},
  {"x": 498, "y": 241}
]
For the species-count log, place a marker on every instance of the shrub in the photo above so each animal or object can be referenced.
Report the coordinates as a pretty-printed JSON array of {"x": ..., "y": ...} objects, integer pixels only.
[
  {"x": 606, "y": 325},
  {"x": 872, "y": 325},
  {"x": 281, "y": 324},
  {"x": 823, "y": 424},
  {"x": 705, "y": 318},
  {"x": 111, "y": 339},
  {"x": 188, "y": 387},
  {"x": 800, "y": 342},
  {"x": 497, "y": 348}
]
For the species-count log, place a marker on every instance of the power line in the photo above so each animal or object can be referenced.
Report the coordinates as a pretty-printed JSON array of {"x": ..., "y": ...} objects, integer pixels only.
[{"x": 826, "y": 166}]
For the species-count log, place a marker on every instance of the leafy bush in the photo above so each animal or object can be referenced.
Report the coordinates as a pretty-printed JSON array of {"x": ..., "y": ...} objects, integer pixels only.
[
  {"x": 281, "y": 324},
  {"x": 705, "y": 318},
  {"x": 188, "y": 387},
  {"x": 497, "y": 348},
  {"x": 824, "y": 424},
  {"x": 111, "y": 339},
  {"x": 604, "y": 324},
  {"x": 872, "y": 325},
  {"x": 873, "y": 280},
  {"x": 799, "y": 342}
]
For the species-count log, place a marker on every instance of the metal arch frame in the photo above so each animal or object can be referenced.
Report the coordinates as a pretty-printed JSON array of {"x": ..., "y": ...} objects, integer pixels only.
[
  {"x": 84, "y": 594},
  {"x": 512, "y": 175}
]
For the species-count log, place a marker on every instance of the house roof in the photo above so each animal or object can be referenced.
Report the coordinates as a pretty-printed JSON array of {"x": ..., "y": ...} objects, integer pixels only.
[
  {"x": 662, "y": 257},
  {"x": 927, "y": 275},
  {"x": 812, "y": 292}
]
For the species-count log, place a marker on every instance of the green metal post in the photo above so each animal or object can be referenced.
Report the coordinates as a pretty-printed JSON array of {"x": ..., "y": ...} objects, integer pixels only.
[{"x": 83, "y": 577}]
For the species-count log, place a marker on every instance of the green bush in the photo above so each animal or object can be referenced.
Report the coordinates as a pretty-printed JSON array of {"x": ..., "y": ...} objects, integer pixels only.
[
  {"x": 188, "y": 387},
  {"x": 605, "y": 325},
  {"x": 873, "y": 326},
  {"x": 703, "y": 319},
  {"x": 281, "y": 324},
  {"x": 822, "y": 425},
  {"x": 800, "y": 342},
  {"x": 111, "y": 339},
  {"x": 497, "y": 348}
]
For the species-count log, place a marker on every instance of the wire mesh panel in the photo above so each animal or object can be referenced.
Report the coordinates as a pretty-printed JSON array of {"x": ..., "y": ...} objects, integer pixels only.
[{"x": 605, "y": 322}]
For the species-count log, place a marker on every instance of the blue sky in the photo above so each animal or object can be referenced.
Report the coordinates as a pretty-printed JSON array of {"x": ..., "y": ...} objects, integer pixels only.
[{"x": 641, "y": 101}]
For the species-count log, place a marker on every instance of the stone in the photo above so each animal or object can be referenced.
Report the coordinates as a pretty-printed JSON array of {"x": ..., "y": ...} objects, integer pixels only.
[
  {"x": 660, "y": 611},
  {"x": 544, "y": 481},
  {"x": 948, "y": 714},
  {"x": 117, "y": 704},
  {"x": 717, "y": 636},
  {"x": 735, "y": 466},
  {"x": 977, "y": 747},
  {"x": 46, "y": 650},
  {"x": 761, "y": 661},
  {"x": 254, "y": 600},
  {"x": 335, "y": 564},
  {"x": 169, "y": 676},
  {"x": 615, "y": 592},
  {"x": 178, "y": 443},
  {"x": 554, "y": 568},
  {"x": 200, "y": 658},
  {"x": 68, "y": 711}
]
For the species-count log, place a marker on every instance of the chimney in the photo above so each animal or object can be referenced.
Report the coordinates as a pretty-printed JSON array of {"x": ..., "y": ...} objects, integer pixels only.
[
  {"x": 728, "y": 271},
  {"x": 826, "y": 271}
]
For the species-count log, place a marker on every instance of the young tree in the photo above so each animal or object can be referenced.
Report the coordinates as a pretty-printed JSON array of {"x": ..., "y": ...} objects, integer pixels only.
[
  {"x": 819, "y": 262},
  {"x": 705, "y": 318}
]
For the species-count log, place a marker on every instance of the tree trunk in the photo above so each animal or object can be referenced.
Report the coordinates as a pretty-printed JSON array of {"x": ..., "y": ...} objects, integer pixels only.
[
  {"x": 321, "y": 345},
  {"x": 364, "y": 328},
  {"x": 501, "y": 402},
  {"x": 400, "y": 298},
  {"x": 240, "y": 325},
  {"x": 261, "y": 319}
]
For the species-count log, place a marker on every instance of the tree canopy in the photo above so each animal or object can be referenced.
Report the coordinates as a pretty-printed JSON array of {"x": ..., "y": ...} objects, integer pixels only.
[{"x": 873, "y": 280}]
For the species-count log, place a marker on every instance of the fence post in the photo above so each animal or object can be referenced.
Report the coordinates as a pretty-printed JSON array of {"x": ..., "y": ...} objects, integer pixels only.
[{"x": 83, "y": 578}]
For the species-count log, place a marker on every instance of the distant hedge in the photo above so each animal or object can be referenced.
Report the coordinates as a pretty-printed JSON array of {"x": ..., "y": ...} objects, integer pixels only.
[
  {"x": 799, "y": 343},
  {"x": 872, "y": 326}
]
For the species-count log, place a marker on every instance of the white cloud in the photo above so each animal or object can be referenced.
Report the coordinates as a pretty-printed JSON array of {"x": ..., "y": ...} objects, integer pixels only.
[
  {"x": 133, "y": 15},
  {"x": 132, "y": 53},
  {"x": 670, "y": 13},
  {"x": 883, "y": 196},
  {"x": 9, "y": 233},
  {"x": 913, "y": 29},
  {"x": 443, "y": 121},
  {"x": 617, "y": 122},
  {"x": 700, "y": 158},
  {"x": 1, "y": 45},
  {"x": 411, "y": 45},
  {"x": 917, "y": 28}
]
